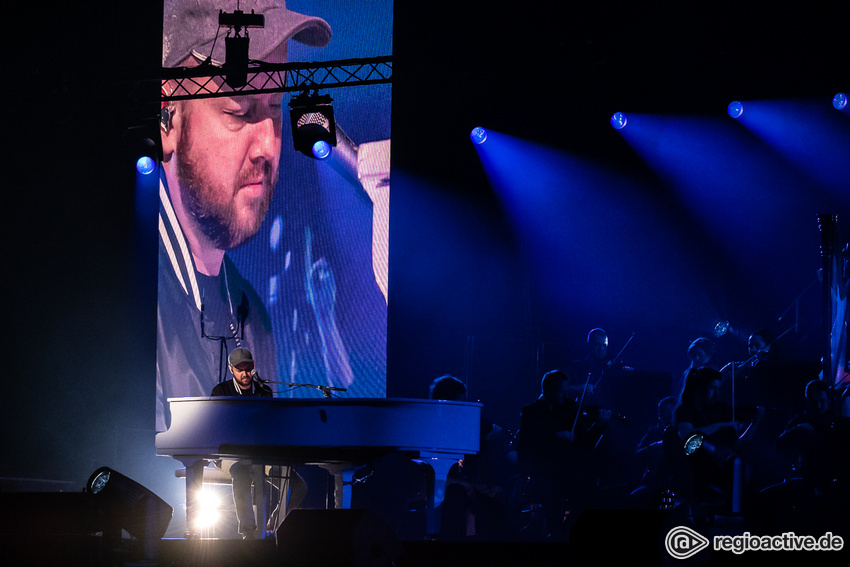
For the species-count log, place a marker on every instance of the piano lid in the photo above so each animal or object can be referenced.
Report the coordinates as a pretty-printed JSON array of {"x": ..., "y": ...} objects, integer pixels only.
[{"x": 227, "y": 426}]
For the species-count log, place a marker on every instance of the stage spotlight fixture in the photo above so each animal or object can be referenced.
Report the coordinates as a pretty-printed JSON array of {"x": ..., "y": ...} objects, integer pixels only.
[
  {"x": 126, "y": 504},
  {"x": 146, "y": 153},
  {"x": 321, "y": 149},
  {"x": 693, "y": 443},
  {"x": 312, "y": 118},
  {"x": 619, "y": 120},
  {"x": 839, "y": 101},
  {"x": 236, "y": 46},
  {"x": 145, "y": 165},
  {"x": 721, "y": 328},
  {"x": 478, "y": 135},
  {"x": 735, "y": 109},
  {"x": 719, "y": 454}
]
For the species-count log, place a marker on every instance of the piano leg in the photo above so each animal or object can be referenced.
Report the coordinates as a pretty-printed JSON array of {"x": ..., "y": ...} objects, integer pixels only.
[
  {"x": 342, "y": 488},
  {"x": 343, "y": 474},
  {"x": 194, "y": 484},
  {"x": 441, "y": 463}
]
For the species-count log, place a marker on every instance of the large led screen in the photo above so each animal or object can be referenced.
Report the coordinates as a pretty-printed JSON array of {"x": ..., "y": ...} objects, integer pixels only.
[{"x": 260, "y": 246}]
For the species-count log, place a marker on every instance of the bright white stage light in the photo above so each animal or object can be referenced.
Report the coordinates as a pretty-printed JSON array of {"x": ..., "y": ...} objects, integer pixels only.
[{"x": 209, "y": 509}]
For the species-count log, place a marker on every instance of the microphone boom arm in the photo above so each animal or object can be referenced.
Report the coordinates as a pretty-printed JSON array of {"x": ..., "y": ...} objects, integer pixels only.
[{"x": 326, "y": 390}]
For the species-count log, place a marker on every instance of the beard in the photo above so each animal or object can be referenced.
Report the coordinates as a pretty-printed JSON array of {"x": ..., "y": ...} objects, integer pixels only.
[{"x": 213, "y": 205}]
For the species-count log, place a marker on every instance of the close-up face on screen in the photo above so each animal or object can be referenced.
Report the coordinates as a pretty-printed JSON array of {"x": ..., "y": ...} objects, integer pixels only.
[{"x": 262, "y": 247}]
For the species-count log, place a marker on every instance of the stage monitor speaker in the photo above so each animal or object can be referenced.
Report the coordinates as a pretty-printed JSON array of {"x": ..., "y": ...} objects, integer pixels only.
[
  {"x": 358, "y": 538},
  {"x": 124, "y": 503}
]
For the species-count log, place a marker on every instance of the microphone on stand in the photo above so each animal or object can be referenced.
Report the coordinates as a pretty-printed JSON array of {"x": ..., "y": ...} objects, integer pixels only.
[
  {"x": 256, "y": 376},
  {"x": 326, "y": 390}
]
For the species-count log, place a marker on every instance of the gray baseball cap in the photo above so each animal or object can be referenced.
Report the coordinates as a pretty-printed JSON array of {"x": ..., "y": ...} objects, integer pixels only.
[
  {"x": 238, "y": 356},
  {"x": 189, "y": 27}
]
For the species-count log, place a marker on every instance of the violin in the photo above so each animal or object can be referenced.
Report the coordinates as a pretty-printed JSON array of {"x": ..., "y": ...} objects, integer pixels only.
[
  {"x": 597, "y": 413},
  {"x": 590, "y": 424},
  {"x": 614, "y": 364}
]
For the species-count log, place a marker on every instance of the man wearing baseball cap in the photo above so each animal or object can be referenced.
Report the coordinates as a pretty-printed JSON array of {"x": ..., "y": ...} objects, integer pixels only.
[
  {"x": 219, "y": 171},
  {"x": 244, "y": 473},
  {"x": 241, "y": 365}
]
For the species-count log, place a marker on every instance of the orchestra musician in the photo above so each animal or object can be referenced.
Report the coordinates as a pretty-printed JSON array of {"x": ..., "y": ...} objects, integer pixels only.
[
  {"x": 597, "y": 382},
  {"x": 767, "y": 378},
  {"x": 701, "y": 352},
  {"x": 763, "y": 380},
  {"x": 552, "y": 442},
  {"x": 651, "y": 454},
  {"x": 748, "y": 375},
  {"x": 477, "y": 487},
  {"x": 701, "y": 410},
  {"x": 816, "y": 487},
  {"x": 590, "y": 369},
  {"x": 587, "y": 373},
  {"x": 814, "y": 437}
]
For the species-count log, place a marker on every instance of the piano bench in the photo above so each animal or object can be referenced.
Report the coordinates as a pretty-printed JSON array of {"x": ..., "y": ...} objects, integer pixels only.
[{"x": 212, "y": 475}]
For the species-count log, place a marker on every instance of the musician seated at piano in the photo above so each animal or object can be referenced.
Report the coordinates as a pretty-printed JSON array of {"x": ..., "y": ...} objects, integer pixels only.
[
  {"x": 244, "y": 474},
  {"x": 701, "y": 410},
  {"x": 245, "y": 381},
  {"x": 552, "y": 440}
]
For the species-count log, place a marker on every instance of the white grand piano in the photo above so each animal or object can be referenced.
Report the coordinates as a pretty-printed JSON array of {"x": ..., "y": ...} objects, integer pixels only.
[{"x": 337, "y": 433}]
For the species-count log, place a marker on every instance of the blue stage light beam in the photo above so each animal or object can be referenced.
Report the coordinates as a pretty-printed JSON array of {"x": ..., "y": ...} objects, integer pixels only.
[
  {"x": 146, "y": 209},
  {"x": 752, "y": 205},
  {"x": 737, "y": 193},
  {"x": 808, "y": 134},
  {"x": 578, "y": 218}
]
